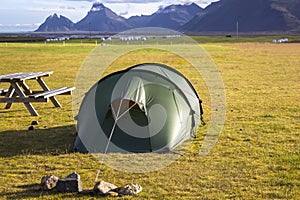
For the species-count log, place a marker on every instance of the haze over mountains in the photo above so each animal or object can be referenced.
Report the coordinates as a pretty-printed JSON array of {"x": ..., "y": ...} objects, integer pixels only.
[{"x": 266, "y": 16}]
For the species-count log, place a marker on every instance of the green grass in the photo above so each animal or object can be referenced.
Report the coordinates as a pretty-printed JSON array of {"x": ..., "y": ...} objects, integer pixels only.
[{"x": 257, "y": 155}]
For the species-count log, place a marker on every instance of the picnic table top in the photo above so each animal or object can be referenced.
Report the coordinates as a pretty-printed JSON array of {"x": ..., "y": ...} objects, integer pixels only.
[{"x": 22, "y": 76}]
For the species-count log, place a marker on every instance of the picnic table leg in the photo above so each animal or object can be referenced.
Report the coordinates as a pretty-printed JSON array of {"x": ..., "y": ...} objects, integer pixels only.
[
  {"x": 28, "y": 105},
  {"x": 10, "y": 94},
  {"x": 45, "y": 88},
  {"x": 25, "y": 87}
]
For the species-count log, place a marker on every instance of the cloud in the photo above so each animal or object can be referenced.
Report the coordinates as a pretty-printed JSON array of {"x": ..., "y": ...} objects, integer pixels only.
[
  {"x": 132, "y": 1},
  {"x": 82, "y": 0},
  {"x": 67, "y": 8},
  {"x": 199, "y": 2},
  {"x": 18, "y": 27},
  {"x": 49, "y": 9},
  {"x": 121, "y": 1},
  {"x": 162, "y": 2},
  {"x": 124, "y": 13}
]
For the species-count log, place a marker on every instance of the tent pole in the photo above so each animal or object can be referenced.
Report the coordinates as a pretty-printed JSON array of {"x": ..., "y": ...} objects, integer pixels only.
[
  {"x": 111, "y": 134},
  {"x": 107, "y": 145}
]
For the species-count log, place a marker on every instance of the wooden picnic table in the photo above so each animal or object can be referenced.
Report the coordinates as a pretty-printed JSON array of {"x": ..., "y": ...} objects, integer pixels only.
[{"x": 19, "y": 91}]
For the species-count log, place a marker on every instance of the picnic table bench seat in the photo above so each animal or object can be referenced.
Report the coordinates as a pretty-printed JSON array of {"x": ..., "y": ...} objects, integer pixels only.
[
  {"x": 3, "y": 91},
  {"x": 51, "y": 93}
]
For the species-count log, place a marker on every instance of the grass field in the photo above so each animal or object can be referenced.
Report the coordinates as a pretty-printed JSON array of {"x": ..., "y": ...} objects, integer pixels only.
[{"x": 257, "y": 155}]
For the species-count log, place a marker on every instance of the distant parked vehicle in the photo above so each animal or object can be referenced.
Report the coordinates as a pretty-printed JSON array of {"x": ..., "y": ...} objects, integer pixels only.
[{"x": 282, "y": 40}]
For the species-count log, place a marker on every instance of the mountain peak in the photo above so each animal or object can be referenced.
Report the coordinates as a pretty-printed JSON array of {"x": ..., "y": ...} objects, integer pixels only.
[
  {"x": 55, "y": 23},
  {"x": 193, "y": 4},
  {"x": 190, "y": 7},
  {"x": 168, "y": 9},
  {"x": 55, "y": 16},
  {"x": 101, "y": 18},
  {"x": 97, "y": 6},
  {"x": 172, "y": 16}
]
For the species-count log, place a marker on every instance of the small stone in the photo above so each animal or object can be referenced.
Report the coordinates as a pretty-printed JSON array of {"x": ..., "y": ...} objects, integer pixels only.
[
  {"x": 71, "y": 183},
  {"x": 103, "y": 187},
  {"x": 129, "y": 189},
  {"x": 68, "y": 185},
  {"x": 49, "y": 182}
]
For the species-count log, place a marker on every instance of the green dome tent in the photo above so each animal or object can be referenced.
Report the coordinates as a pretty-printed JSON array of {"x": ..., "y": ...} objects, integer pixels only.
[{"x": 147, "y": 108}]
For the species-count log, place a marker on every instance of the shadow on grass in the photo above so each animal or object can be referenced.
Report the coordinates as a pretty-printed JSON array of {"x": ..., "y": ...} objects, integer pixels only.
[
  {"x": 55, "y": 141},
  {"x": 30, "y": 191}
]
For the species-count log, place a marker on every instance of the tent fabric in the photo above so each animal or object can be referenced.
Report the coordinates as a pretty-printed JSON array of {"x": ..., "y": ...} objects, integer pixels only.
[{"x": 147, "y": 108}]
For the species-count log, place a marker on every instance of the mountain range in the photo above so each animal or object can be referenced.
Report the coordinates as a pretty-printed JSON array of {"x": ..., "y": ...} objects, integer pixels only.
[
  {"x": 247, "y": 16},
  {"x": 267, "y": 16},
  {"x": 103, "y": 19},
  {"x": 171, "y": 17}
]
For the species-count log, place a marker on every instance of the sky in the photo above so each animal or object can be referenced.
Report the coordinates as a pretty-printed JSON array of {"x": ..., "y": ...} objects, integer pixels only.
[{"x": 27, "y": 15}]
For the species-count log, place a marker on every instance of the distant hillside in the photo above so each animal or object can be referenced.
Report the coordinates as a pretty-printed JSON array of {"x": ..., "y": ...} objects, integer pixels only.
[
  {"x": 55, "y": 23},
  {"x": 139, "y": 21},
  {"x": 290, "y": 10},
  {"x": 252, "y": 16},
  {"x": 101, "y": 18},
  {"x": 171, "y": 17}
]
